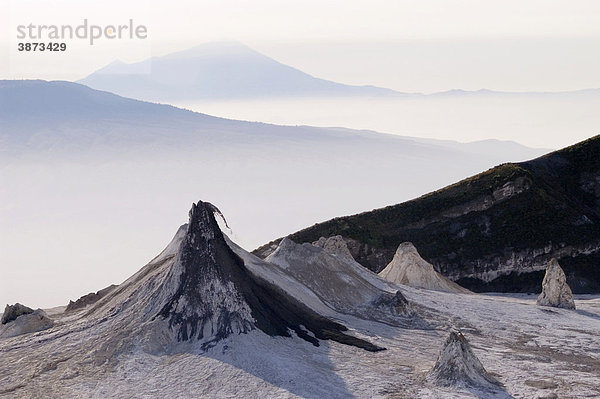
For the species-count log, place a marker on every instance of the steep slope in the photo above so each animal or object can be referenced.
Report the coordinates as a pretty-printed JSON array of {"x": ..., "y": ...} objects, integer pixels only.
[
  {"x": 216, "y": 70},
  {"x": 495, "y": 231},
  {"x": 218, "y": 295},
  {"x": 408, "y": 268}
]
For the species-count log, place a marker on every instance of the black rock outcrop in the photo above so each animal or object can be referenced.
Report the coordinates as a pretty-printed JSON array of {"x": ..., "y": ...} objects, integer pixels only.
[
  {"x": 11, "y": 312},
  {"x": 89, "y": 299}
]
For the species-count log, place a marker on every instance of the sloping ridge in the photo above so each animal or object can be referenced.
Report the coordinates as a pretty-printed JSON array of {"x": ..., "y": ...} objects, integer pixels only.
[
  {"x": 199, "y": 290},
  {"x": 495, "y": 231},
  {"x": 343, "y": 284}
]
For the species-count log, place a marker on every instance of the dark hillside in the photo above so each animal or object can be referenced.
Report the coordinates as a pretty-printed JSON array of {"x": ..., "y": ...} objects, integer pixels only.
[{"x": 494, "y": 231}]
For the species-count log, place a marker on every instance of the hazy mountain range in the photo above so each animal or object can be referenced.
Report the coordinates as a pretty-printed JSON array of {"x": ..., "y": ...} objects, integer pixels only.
[
  {"x": 65, "y": 116},
  {"x": 232, "y": 70},
  {"x": 98, "y": 169},
  {"x": 230, "y": 80}
]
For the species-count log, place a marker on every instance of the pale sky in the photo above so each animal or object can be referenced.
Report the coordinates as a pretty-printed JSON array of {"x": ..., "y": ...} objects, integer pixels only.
[{"x": 425, "y": 45}]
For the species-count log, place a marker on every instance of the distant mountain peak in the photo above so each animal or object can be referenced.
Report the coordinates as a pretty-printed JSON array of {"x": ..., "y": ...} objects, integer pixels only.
[{"x": 226, "y": 69}]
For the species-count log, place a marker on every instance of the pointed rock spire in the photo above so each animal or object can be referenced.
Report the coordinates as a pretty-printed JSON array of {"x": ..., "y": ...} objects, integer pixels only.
[
  {"x": 555, "y": 290},
  {"x": 408, "y": 268},
  {"x": 210, "y": 293},
  {"x": 457, "y": 365},
  {"x": 205, "y": 303}
]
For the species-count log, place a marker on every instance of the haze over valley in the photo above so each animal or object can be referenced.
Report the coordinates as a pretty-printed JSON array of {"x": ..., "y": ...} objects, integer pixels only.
[
  {"x": 109, "y": 171},
  {"x": 232, "y": 80}
]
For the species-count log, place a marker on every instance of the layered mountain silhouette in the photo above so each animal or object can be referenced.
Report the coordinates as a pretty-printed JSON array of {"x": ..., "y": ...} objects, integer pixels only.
[
  {"x": 39, "y": 115},
  {"x": 232, "y": 70},
  {"x": 213, "y": 71},
  {"x": 42, "y": 115},
  {"x": 495, "y": 231}
]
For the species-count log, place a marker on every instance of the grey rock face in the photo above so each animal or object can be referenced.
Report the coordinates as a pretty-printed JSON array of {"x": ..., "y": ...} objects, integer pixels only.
[
  {"x": 341, "y": 283},
  {"x": 396, "y": 304},
  {"x": 14, "y": 311},
  {"x": 26, "y": 323},
  {"x": 458, "y": 366},
  {"x": 555, "y": 290},
  {"x": 335, "y": 245}
]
